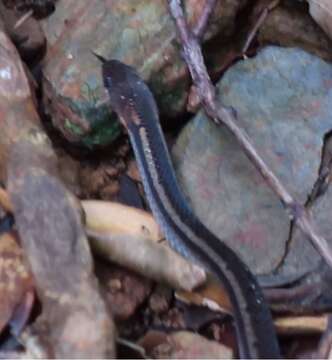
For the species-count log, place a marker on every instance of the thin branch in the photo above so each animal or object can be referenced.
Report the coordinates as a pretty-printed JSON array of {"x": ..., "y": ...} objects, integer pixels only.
[
  {"x": 302, "y": 325},
  {"x": 202, "y": 22},
  {"x": 23, "y": 19},
  {"x": 221, "y": 115},
  {"x": 254, "y": 31},
  {"x": 261, "y": 18}
]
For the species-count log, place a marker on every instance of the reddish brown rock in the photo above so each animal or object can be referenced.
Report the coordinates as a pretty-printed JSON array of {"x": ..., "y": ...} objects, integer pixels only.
[
  {"x": 140, "y": 33},
  {"x": 49, "y": 224}
]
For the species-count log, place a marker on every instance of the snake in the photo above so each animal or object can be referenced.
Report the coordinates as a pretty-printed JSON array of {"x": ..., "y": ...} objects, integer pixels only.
[{"x": 133, "y": 102}]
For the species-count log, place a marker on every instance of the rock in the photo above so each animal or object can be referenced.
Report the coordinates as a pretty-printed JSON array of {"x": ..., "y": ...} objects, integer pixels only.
[
  {"x": 302, "y": 256},
  {"x": 19, "y": 118},
  {"x": 46, "y": 213},
  {"x": 141, "y": 34},
  {"x": 28, "y": 38},
  {"x": 283, "y": 99},
  {"x": 54, "y": 242},
  {"x": 290, "y": 25},
  {"x": 39, "y": 9}
]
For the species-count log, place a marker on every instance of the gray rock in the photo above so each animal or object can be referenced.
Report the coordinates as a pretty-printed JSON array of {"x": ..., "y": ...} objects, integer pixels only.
[
  {"x": 302, "y": 256},
  {"x": 283, "y": 98}
]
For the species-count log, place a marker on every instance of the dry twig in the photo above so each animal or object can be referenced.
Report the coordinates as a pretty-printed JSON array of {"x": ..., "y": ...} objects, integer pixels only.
[
  {"x": 221, "y": 115},
  {"x": 261, "y": 18},
  {"x": 202, "y": 22},
  {"x": 299, "y": 325},
  {"x": 23, "y": 19}
]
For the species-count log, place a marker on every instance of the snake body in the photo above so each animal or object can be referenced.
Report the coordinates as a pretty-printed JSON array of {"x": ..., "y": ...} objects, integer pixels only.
[{"x": 135, "y": 106}]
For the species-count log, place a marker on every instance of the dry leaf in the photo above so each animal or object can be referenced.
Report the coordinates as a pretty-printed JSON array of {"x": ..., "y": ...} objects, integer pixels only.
[
  {"x": 118, "y": 219},
  {"x": 148, "y": 258},
  {"x": 211, "y": 294}
]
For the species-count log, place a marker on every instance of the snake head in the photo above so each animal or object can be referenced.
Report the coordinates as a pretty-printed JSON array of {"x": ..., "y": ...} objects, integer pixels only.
[
  {"x": 118, "y": 80},
  {"x": 129, "y": 96}
]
